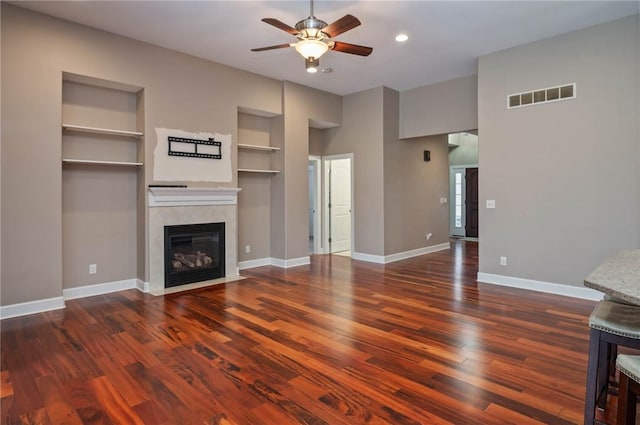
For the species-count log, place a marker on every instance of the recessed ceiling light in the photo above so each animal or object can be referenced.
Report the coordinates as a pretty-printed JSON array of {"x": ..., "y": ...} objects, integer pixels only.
[{"x": 400, "y": 38}]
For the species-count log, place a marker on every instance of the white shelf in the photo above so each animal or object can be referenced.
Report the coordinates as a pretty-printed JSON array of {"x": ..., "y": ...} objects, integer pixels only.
[
  {"x": 109, "y": 131},
  {"x": 248, "y": 170},
  {"x": 258, "y": 147},
  {"x": 94, "y": 162}
]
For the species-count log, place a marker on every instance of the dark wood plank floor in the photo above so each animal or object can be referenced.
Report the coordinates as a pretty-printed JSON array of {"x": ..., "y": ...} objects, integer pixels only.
[{"x": 337, "y": 342}]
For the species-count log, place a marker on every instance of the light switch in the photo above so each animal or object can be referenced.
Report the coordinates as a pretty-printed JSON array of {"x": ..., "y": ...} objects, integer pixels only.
[{"x": 491, "y": 203}]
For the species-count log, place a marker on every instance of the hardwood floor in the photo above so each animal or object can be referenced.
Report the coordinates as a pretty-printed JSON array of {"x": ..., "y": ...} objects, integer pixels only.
[{"x": 337, "y": 342}]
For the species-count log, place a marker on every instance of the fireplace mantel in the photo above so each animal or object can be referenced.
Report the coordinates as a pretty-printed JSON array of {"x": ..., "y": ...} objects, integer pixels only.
[{"x": 187, "y": 196}]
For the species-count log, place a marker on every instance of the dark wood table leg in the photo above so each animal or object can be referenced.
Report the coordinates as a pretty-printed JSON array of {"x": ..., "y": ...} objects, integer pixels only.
[{"x": 592, "y": 377}]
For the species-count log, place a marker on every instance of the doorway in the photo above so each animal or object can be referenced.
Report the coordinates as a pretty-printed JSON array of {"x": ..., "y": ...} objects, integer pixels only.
[
  {"x": 338, "y": 184},
  {"x": 457, "y": 211},
  {"x": 315, "y": 220},
  {"x": 471, "y": 195},
  {"x": 463, "y": 212}
]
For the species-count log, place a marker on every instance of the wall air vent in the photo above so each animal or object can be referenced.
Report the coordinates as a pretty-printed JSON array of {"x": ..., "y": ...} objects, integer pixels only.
[{"x": 535, "y": 97}]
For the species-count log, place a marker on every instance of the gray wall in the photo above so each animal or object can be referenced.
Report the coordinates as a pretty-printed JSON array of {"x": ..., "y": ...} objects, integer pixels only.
[
  {"x": 446, "y": 107},
  {"x": 564, "y": 175},
  {"x": 254, "y": 216},
  {"x": 361, "y": 135},
  {"x": 99, "y": 224},
  {"x": 99, "y": 204},
  {"x": 572, "y": 202},
  {"x": 254, "y": 200},
  {"x": 316, "y": 141},
  {"x": 290, "y": 190},
  {"x": 396, "y": 195},
  {"x": 413, "y": 187},
  {"x": 36, "y": 50}
]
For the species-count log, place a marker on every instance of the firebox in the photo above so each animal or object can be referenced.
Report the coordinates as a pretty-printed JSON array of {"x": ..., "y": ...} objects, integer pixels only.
[{"x": 193, "y": 253}]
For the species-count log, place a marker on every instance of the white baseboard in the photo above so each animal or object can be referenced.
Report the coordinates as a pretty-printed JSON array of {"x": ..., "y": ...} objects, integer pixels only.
[
  {"x": 354, "y": 255},
  {"x": 249, "y": 264},
  {"x": 360, "y": 256},
  {"x": 99, "y": 289},
  {"x": 400, "y": 255},
  {"x": 416, "y": 252},
  {"x": 142, "y": 286},
  {"x": 539, "y": 286},
  {"x": 293, "y": 262},
  {"x": 31, "y": 307},
  {"x": 278, "y": 262}
]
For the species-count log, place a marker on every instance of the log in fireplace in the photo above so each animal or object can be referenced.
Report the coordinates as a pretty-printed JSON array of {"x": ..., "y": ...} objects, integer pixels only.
[{"x": 193, "y": 253}]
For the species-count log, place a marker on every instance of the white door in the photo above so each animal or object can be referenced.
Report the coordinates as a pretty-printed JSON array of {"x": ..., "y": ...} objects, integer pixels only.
[
  {"x": 457, "y": 201},
  {"x": 340, "y": 204}
]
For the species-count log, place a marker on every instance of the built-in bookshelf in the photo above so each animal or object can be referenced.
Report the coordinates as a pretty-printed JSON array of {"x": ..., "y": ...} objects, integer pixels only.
[
  {"x": 259, "y": 156},
  {"x": 102, "y": 146},
  {"x": 133, "y": 136},
  {"x": 254, "y": 146}
]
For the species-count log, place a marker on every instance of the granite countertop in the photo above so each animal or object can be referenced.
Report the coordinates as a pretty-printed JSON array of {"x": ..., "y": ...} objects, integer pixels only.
[{"x": 618, "y": 276}]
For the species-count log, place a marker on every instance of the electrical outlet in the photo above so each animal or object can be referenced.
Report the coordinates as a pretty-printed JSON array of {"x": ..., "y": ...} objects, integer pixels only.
[
  {"x": 247, "y": 248},
  {"x": 503, "y": 261},
  {"x": 491, "y": 203},
  {"x": 93, "y": 268},
  {"x": 429, "y": 235}
]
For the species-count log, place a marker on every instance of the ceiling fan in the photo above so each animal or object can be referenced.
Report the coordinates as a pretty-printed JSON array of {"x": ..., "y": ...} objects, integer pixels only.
[{"x": 314, "y": 38}]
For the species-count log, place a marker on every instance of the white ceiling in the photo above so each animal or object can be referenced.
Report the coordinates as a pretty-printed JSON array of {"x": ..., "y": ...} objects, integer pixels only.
[{"x": 446, "y": 37}]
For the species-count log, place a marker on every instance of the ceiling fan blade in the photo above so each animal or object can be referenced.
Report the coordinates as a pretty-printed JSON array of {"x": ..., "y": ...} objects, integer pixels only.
[
  {"x": 343, "y": 24},
  {"x": 281, "y": 25},
  {"x": 277, "y": 46},
  {"x": 354, "y": 49}
]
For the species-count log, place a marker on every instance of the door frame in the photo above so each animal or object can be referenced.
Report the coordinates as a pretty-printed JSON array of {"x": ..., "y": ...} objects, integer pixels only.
[
  {"x": 325, "y": 201},
  {"x": 452, "y": 198},
  {"x": 469, "y": 204},
  {"x": 317, "y": 200}
]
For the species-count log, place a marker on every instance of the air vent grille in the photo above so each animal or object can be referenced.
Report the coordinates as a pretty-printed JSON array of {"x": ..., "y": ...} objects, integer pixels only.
[{"x": 538, "y": 96}]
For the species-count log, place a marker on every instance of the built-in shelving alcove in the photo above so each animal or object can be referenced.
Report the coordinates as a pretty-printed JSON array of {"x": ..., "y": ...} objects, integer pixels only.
[
  {"x": 258, "y": 153},
  {"x": 102, "y": 127}
]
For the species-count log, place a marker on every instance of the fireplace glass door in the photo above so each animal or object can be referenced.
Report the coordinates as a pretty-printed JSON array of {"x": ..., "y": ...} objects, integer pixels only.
[{"x": 193, "y": 253}]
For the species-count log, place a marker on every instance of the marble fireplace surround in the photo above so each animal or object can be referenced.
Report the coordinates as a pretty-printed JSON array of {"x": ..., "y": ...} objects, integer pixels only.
[{"x": 170, "y": 206}]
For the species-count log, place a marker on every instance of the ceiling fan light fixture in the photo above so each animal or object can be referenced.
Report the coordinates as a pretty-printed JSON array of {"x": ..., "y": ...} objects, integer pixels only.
[
  {"x": 312, "y": 65},
  {"x": 311, "y": 48},
  {"x": 314, "y": 38}
]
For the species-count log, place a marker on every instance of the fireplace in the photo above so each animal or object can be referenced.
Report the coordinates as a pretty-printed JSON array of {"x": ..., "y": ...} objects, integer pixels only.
[{"x": 193, "y": 253}]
